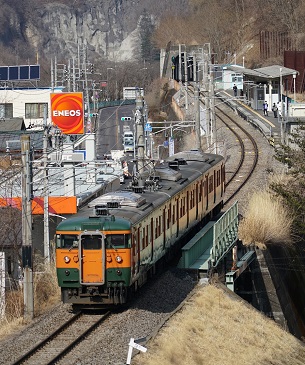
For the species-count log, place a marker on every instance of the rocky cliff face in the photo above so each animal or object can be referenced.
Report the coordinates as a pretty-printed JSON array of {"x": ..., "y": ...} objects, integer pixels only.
[{"x": 108, "y": 29}]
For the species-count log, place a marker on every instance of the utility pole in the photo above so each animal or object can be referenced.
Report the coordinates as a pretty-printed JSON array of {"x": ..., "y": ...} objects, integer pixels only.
[
  {"x": 69, "y": 75},
  {"x": 27, "y": 255},
  {"x": 212, "y": 114},
  {"x": 89, "y": 125},
  {"x": 180, "y": 69},
  {"x": 46, "y": 230},
  {"x": 140, "y": 140},
  {"x": 55, "y": 72},
  {"x": 52, "y": 75},
  {"x": 196, "y": 105},
  {"x": 73, "y": 75},
  {"x": 185, "y": 80},
  {"x": 206, "y": 98},
  {"x": 282, "y": 107}
]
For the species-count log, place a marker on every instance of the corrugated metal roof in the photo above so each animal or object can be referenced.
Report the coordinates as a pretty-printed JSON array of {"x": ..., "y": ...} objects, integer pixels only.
[
  {"x": 275, "y": 71},
  {"x": 12, "y": 124},
  {"x": 245, "y": 71},
  {"x": 13, "y": 140},
  {"x": 268, "y": 72}
]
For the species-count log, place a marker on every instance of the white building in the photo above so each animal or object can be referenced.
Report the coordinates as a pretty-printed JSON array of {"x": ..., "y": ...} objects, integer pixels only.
[
  {"x": 225, "y": 78},
  {"x": 27, "y": 104},
  {"x": 132, "y": 92}
]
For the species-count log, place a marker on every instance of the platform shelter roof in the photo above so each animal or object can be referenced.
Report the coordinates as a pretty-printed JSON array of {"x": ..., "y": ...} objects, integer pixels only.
[{"x": 268, "y": 72}]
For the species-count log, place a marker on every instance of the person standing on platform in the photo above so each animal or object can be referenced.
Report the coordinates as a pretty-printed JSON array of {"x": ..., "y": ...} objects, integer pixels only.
[
  {"x": 279, "y": 106},
  {"x": 235, "y": 90},
  {"x": 274, "y": 109},
  {"x": 265, "y": 108}
]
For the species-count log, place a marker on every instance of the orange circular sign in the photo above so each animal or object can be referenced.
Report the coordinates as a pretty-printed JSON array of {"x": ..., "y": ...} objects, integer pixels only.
[{"x": 67, "y": 112}]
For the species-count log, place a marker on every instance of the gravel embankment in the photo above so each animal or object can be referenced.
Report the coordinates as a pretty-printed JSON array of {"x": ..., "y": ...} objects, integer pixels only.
[{"x": 149, "y": 311}]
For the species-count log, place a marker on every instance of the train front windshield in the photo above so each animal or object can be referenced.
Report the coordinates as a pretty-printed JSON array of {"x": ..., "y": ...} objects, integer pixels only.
[
  {"x": 117, "y": 240},
  {"x": 91, "y": 242},
  {"x": 67, "y": 241}
]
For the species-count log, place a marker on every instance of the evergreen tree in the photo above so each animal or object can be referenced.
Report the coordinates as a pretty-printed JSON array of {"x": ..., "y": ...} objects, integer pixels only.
[
  {"x": 292, "y": 190},
  {"x": 148, "y": 50}
]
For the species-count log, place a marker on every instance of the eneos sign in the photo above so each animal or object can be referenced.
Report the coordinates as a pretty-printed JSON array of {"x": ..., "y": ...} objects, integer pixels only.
[{"x": 67, "y": 112}]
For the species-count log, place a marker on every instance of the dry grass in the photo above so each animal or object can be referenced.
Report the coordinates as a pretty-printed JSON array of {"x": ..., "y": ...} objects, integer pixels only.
[
  {"x": 213, "y": 329},
  {"x": 46, "y": 295},
  {"x": 265, "y": 221},
  {"x": 46, "y": 289}
]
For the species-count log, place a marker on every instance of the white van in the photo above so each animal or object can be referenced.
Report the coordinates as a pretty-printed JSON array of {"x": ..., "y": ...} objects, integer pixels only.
[{"x": 128, "y": 134}]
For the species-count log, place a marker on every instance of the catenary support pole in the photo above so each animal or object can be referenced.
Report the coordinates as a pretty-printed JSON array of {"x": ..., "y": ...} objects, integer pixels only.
[
  {"x": 46, "y": 230},
  {"x": 140, "y": 139},
  {"x": 27, "y": 256}
]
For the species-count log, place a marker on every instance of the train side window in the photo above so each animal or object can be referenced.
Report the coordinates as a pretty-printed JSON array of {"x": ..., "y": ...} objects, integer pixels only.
[
  {"x": 143, "y": 238},
  {"x": 135, "y": 245},
  {"x": 168, "y": 217},
  {"x": 200, "y": 192},
  {"x": 205, "y": 186},
  {"x": 211, "y": 184},
  {"x": 156, "y": 228}
]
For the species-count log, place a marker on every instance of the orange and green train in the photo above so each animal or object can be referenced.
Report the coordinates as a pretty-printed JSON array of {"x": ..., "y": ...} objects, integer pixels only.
[{"x": 108, "y": 250}]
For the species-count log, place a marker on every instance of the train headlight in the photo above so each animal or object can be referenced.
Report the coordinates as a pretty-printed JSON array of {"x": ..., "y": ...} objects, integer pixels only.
[
  {"x": 119, "y": 272},
  {"x": 67, "y": 272},
  {"x": 118, "y": 259},
  {"x": 67, "y": 259}
]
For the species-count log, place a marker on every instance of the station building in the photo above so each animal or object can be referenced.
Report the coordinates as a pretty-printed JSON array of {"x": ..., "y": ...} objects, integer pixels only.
[{"x": 27, "y": 104}]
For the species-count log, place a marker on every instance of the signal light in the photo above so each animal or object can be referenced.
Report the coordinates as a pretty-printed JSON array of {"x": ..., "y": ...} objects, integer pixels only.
[{"x": 126, "y": 119}]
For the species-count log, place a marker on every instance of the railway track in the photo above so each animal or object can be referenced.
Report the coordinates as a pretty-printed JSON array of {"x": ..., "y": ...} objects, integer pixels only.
[
  {"x": 248, "y": 158},
  {"x": 62, "y": 341}
]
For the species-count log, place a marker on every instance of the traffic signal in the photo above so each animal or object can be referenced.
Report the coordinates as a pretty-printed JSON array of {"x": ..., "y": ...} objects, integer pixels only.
[
  {"x": 92, "y": 68},
  {"x": 126, "y": 119},
  {"x": 66, "y": 76},
  {"x": 175, "y": 67},
  {"x": 178, "y": 70}
]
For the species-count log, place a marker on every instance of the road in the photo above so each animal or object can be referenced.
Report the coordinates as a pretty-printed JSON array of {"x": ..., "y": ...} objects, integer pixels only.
[{"x": 110, "y": 128}]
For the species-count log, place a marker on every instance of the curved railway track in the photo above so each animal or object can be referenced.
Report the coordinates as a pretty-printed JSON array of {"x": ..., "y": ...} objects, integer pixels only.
[
  {"x": 248, "y": 153},
  {"x": 248, "y": 156},
  {"x": 61, "y": 342}
]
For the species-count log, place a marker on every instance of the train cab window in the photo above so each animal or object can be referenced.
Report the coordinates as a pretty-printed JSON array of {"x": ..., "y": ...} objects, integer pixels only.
[
  {"x": 67, "y": 241},
  {"x": 91, "y": 242},
  {"x": 117, "y": 240}
]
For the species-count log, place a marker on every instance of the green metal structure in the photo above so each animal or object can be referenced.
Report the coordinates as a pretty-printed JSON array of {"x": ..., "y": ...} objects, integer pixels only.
[{"x": 212, "y": 243}]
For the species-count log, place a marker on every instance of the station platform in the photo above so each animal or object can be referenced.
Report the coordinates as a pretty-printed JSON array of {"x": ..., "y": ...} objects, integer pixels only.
[{"x": 269, "y": 125}]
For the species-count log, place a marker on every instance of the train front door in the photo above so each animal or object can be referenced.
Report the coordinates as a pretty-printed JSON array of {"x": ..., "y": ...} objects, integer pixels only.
[{"x": 92, "y": 258}]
